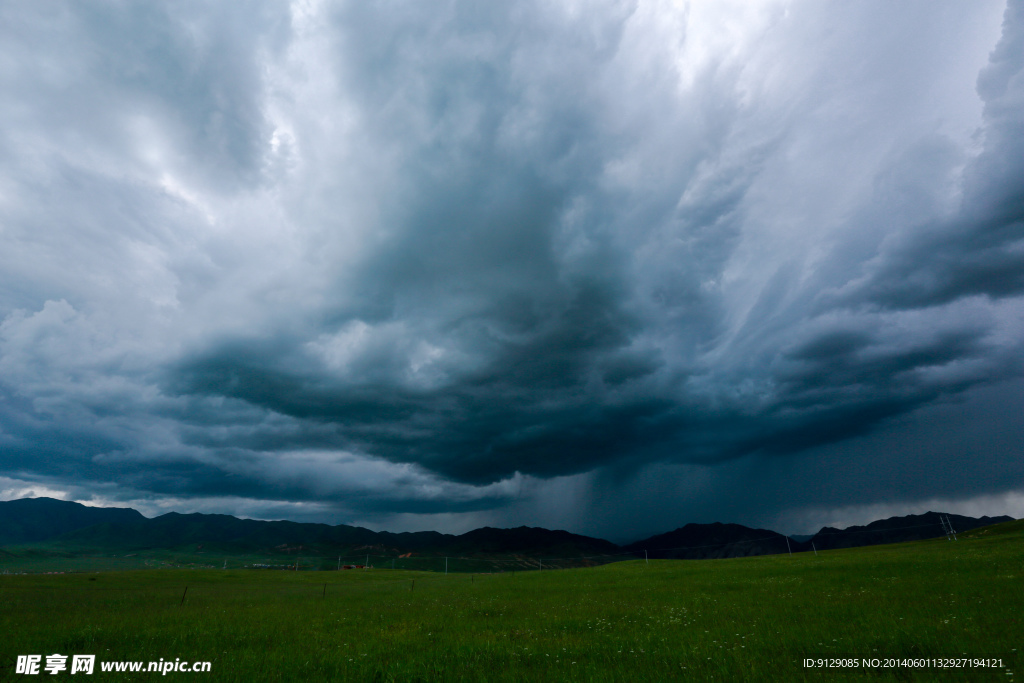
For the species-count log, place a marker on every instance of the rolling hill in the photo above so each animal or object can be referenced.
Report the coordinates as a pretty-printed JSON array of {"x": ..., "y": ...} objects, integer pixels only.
[
  {"x": 899, "y": 530},
  {"x": 65, "y": 526},
  {"x": 717, "y": 540},
  {"x": 30, "y": 520}
]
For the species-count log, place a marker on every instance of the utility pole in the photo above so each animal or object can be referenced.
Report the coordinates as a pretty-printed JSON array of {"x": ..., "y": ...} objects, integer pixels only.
[
  {"x": 446, "y": 566},
  {"x": 814, "y": 549},
  {"x": 787, "y": 546},
  {"x": 645, "y": 557}
]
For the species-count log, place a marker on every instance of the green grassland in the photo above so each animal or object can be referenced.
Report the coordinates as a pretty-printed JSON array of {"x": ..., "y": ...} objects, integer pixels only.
[{"x": 746, "y": 619}]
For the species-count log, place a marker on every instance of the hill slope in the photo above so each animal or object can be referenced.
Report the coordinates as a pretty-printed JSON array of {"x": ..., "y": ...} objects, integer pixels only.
[
  {"x": 717, "y": 540},
  {"x": 33, "y": 520},
  {"x": 899, "y": 530}
]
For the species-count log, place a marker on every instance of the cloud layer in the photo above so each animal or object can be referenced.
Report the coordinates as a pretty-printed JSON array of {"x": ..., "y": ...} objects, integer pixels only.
[{"x": 448, "y": 258}]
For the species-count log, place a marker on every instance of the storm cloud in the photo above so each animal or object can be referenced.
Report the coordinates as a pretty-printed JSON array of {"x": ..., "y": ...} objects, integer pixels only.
[{"x": 437, "y": 263}]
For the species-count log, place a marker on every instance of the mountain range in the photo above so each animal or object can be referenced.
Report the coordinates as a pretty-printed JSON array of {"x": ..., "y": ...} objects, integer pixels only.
[{"x": 74, "y": 527}]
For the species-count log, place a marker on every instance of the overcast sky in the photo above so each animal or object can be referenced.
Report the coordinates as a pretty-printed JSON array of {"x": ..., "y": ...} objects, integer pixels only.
[{"x": 604, "y": 266}]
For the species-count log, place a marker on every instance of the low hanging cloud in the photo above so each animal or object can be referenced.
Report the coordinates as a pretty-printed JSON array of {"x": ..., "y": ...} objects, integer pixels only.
[{"x": 420, "y": 259}]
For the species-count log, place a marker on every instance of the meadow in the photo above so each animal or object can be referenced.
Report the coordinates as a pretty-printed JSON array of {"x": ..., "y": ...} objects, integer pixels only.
[{"x": 746, "y": 619}]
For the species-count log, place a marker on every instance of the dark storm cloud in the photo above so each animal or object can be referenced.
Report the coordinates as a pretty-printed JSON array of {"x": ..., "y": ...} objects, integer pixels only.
[
  {"x": 419, "y": 258},
  {"x": 102, "y": 66},
  {"x": 981, "y": 250}
]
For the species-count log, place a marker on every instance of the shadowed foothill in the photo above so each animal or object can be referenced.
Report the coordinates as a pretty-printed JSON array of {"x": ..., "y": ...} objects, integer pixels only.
[{"x": 29, "y": 527}]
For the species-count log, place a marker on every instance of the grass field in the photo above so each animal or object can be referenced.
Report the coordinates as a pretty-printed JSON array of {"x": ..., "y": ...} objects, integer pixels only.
[{"x": 744, "y": 619}]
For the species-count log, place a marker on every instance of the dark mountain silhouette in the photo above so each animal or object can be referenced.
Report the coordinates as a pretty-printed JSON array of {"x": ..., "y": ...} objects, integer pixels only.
[
  {"x": 704, "y": 541},
  {"x": 220, "y": 532},
  {"x": 530, "y": 541},
  {"x": 30, "y": 520},
  {"x": 226, "y": 533},
  {"x": 899, "y": 530},
  {"x": 70, "y": 527}
]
